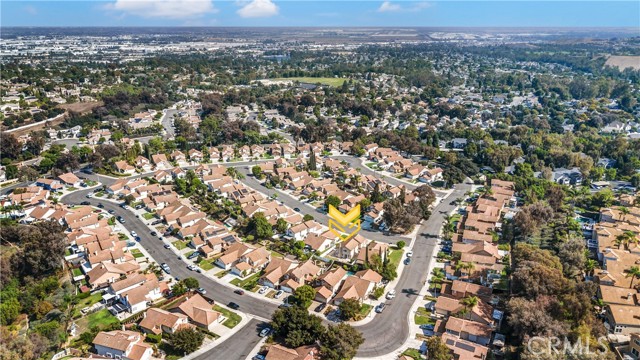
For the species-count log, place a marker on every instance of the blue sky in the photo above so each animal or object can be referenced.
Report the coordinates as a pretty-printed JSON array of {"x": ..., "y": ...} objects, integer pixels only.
[{"x": 513, "y": 13}]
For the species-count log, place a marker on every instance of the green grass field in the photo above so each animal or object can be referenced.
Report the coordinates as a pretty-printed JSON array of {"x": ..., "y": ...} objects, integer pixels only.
[
  {"x": 233, "y": 319},
  {"x": 394, "y": 257},
  {"x": 311, "y": 80},
  {"x": 180, "y": 244},
  {"x": 100, "y": 318},
  {"x": 249, "y": 283},
  {"x": 423, "y": 317},
  {"x": 206, "y": 265}
]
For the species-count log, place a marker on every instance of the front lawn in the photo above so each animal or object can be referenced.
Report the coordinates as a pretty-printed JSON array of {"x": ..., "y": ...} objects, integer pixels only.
[
  {"x": 423, "y": 316},
  {"x": 365, "y": 309},
  {"x": 205, "y": 265},
  {"x": 248, "y": 283},
  {"x": 148, "y": 216},
  {"x": 413, "y": 353},
  {"x": 180, "y": 244},
  {"x": 233, "y": 319},
  {"x": 394, "y": 257},
  {"x": 136, "y": 253}
]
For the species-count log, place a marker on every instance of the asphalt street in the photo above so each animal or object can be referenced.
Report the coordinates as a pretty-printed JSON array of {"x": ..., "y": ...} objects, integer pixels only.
[{"x": 238, "y": 346}]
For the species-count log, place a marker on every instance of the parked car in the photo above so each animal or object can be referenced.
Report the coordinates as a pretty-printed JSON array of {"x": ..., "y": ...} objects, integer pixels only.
[
  {"x": 153, "y": 233},
  {"x": 111, "y": 211},
  {"x": 134, "y": 234},
  {"x": 427, "y": 327},
  {"x": 407, "y": 261},
  {"x": 380, "y": 307},
  {"x": 156, "y": 222},
  {"x": 166, "y": 246},
  {"x": 297, "y": 209},
  {"x": 410, "y": 254},
  {"x": 123, "y": 205},
  {"x": 258, "y": 357},
  {"x": 191, "y": 267},
  {"x": 239, "y": 291},
  {"x": 391, "y": 294},
  {"x": 100, "y": 206},
  {"x": 278, "y": 294},
  {"x": 234, "y": 306},
  {"x": 194, "y": 255},
  {"x": 137, "y": 238},
  {"x": 139, "y": 206},
  {"x": 263, "y": 290},
  {"x": 320, "y": 307},
  {"x": 201, "y": 291},
  {"x": 265, "y": 332},
  {"x": 166, "y": 269},
  {"x": 121, "y": 219},
  {"x": 85, "y": 203}
]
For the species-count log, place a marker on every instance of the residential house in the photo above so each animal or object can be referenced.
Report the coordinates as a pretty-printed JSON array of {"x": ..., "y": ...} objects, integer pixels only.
[
  {"x": 199, "y": 311},
  {"x": 157, "y": 321},
  {"x": 120, "y": 344}
]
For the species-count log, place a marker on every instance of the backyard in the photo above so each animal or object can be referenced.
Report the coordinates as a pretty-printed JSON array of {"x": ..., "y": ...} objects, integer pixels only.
[{"x": 102, "y": 318}]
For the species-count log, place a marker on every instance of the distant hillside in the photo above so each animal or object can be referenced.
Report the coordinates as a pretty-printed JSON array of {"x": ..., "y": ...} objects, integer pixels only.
[{"x": 623, "y": 62}]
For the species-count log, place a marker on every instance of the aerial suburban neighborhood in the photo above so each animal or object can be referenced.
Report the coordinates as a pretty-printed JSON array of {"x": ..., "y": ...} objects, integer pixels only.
[{"x": 249, "y": 190}]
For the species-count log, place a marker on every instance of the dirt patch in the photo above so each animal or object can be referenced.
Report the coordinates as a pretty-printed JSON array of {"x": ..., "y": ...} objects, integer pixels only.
[
  {"x": 81, "y": 107},
  {"x": 623, "y": 62}
]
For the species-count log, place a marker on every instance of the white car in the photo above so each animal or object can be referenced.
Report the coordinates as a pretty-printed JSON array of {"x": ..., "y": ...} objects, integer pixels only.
[
  {"x": 262, "y": 290},
  {"x": 410, "y": 254},
  {"x": 134, "y": 234},
  {"x": 278, "y": 294},
  {"x": 391, "y": 294}
]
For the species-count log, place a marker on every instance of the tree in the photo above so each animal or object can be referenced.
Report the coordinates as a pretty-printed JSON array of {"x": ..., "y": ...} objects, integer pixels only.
[
  {"x": 296, "y": 326},
  {"x": 401, "y": 244},
  {"x": 469, "y": 303},
  {"x": 437, "y": 349},
  {"x": 186, "y": 340},
  {"x": 349, "y": 309},
  {"x": 634, "y": 273},
  {"x": 571, "y": 254},
  {"x": 304, "y": 295},
  {"x": 340, "y": 342},
  {"x": 191, "y": 283},
  {"x": 179, "y": 289},
  {"x": 282, "y": 225},
  {"x": 261, "y": 226},
  {"x": 332, "y": 200},
  {"x": 312, "y": 160},
  {"x": 42, "y": 247},
  {"x": 307, "y": 217},
  {"x": 257, "y": 172}
]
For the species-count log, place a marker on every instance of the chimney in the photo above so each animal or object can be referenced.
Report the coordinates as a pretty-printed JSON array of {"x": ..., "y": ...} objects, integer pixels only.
[{"x": 629, "y": 295}]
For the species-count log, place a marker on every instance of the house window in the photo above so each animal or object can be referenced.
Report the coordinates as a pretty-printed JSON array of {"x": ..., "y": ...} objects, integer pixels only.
[
  {"x": 618, "y": 329},
  {"x": 109, "y": 355},
  {"x": 635, "y": 352}
]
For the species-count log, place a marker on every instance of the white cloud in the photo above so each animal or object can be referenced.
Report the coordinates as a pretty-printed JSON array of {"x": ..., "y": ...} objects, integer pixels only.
[
  {"x": 258, "y": 8},
  {"x": 388, "y": 6},
  {"x": 171, "y": 9}
]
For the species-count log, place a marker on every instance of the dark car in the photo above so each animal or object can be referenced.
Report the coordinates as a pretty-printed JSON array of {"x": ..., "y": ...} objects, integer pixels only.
[
  {"x": 194, "y": 255},
  {"x": 297, "y": 209},
  {"x": 124, "y": 206},
  {"x": 138, "y": 207},
  {"x": 138, "y": 238},
  {"x": 166, "y": 246},
  {"x": 112, "y": 211},
  {"x": 156, "y": 222},
  {"x": 101, "y": 206},
  {"x": 234, "y": 306},
  {"x": 85, "y": 203},
  {"x": 239, "y": 292},
  {"x": 320, "y": 307},
  {"x": 153, "y": 233},
  {"x": 407, "y": 261},
  {"x": 121, "y": 219}
]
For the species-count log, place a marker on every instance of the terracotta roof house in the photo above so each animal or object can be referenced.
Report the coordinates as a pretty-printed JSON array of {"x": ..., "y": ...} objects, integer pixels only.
[
  {"x": 70, "y": 179},
  {"x": 199, "y": 311},
  {"x": 279, "y": 352},
  {"x": 157, "y": 321},
  {"x": 126, "y": 345}
]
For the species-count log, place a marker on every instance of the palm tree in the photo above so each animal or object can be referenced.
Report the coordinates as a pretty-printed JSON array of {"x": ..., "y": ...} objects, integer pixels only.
[
  {"x": 590, "y": 266},
  {"x": 633, "y": 272},
  {"x": 469, "y": 303},
  {"x": 624, "y": 211},
  {"x": 486, "y": 191}
]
